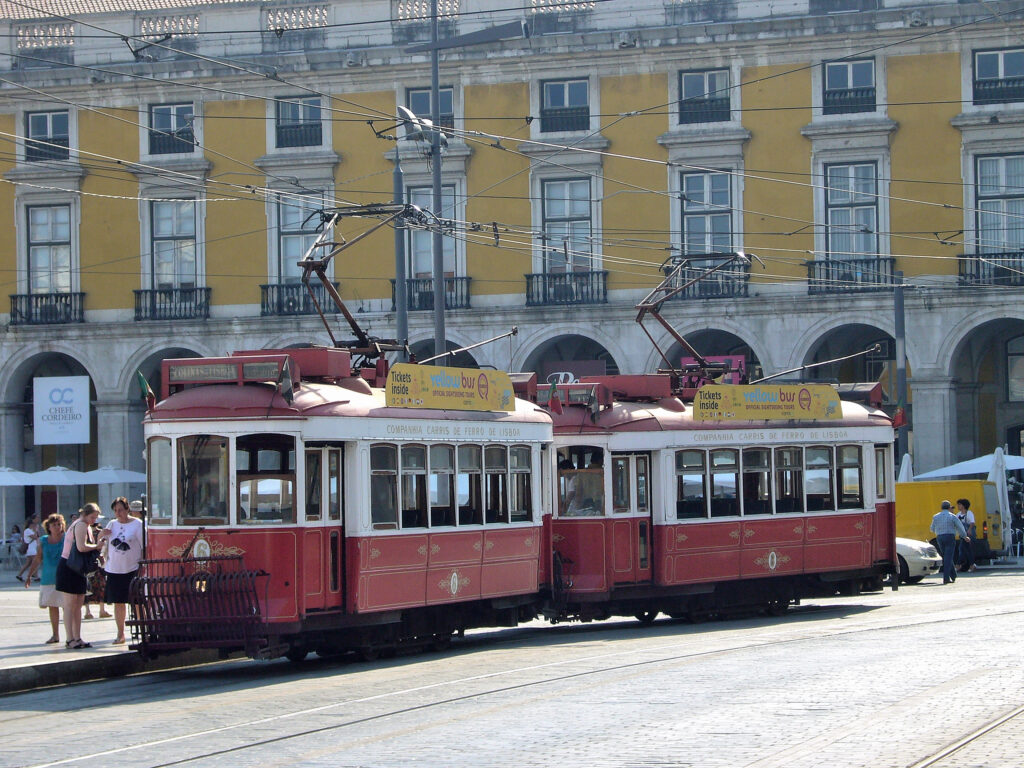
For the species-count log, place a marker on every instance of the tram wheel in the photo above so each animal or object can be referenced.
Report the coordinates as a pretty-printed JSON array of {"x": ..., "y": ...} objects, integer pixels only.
[
  {"x": 646, "y": 617},
  {"x": 441, "y": 642},
  {"x": 369, "y": 653},
  {"x": 296, "y": 653},
  {"x": 777, "y": 607}
]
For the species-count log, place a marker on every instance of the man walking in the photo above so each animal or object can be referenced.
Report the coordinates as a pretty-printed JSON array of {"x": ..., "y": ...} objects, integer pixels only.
[{"x": 946, "y": 526}]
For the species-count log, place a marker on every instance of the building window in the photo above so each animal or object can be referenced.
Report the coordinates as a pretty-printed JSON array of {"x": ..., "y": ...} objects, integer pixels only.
[
  {"x": 298, "y": 123},
  {"x": 173, "y": 244},
  {"x": 1000, "y": 204},
  {"x": 849, "y": 87},
  {"x": 567, "y": 225},
  {"x": 1015, "y": 369},
  {"x": 565, "y": 106},
  {"x": 418, "y": 101},
  {"x": 296, "y": 232},
  {"x": 170, "y": 129},
  {"x": 707, "y": 212},
  {"x": 851, "y": 210},
  {"x": 49, "y": 249},
  {"x": 704, "y": 96},
  {"x": 421, "y": 254},
  {"x": 999, "y": 76},
  {"x": 47, "y": 136}
]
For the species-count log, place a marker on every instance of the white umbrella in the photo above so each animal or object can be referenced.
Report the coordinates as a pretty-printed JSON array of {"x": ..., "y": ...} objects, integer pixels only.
[
  {"x": 109, "y": 475},
  {"x": 906, "y": 469},
  {"x": 57, "y": 476},
  {"x": 10, "y": 478},
  {"x": 979, "y": 466}
]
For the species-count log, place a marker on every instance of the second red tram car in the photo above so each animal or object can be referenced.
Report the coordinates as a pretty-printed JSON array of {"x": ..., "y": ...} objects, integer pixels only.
[{"x": 291, "y": 509}]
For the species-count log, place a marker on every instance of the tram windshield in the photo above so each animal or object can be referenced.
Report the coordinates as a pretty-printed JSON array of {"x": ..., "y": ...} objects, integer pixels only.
[
  {"x": 265, "y": 474},
  {"x": 160, "y": 465},
  {"x": 203, "y": 480},
  {"x": 581, "y": 481}
]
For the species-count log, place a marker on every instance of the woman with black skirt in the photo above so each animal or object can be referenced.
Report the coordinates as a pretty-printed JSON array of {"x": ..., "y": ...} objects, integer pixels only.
[{"x": 73, "y": 585}]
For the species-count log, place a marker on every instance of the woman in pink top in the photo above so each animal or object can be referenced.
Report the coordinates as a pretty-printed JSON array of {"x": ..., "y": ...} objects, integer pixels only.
[{"x": 72, "y": 584}]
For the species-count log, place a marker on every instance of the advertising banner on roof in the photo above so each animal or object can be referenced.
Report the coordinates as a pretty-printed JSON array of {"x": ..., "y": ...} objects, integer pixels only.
[
  {"x": 60, "y": 410},
  {"x": 456, "y": 389},
  {"x": 766, "y": 402}
]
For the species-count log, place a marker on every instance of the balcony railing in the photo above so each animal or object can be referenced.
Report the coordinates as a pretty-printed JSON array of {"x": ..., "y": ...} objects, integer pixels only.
[
  {"x": 567, "y": 288},
  {"x": 47, "y": 308},
  {"x": 850, "y": 275},
  {"x": 714, "y": 110},
  {"x": 846, "y": 100},
  {"x": 1002, "y": 91},
  {"x": 52, "y": 148},
  {"x": 176, "y": 143},
  {"x": 172, "y": 304},
  {"x": 420, "y": 293},
  {"x": 992, "y": 268},
  {"x": 553, "y": 120},
  {"x": 729, "y": 282},
  {"x": 294, "y": 299},
  {"x": 299, "y": 135}
]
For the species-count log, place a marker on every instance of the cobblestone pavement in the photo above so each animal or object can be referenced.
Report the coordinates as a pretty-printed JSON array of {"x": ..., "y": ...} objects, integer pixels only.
[{"x": 889, "y": 679}]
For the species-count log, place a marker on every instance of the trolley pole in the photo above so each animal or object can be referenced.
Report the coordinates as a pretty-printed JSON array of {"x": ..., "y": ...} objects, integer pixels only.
[
  {"x": 401, "y": 284},
  {"x": 437, "y": 242},
  {"x": 902, "y": 436}
]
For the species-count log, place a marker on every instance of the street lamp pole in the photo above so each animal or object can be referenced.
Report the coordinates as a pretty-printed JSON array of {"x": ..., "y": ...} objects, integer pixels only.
[
  {"x": 437, "y": 241},
  {"x": 401, "y": 286}
]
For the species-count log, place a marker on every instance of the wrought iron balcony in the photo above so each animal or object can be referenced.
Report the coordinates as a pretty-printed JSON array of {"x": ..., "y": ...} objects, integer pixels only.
[
  {"x": 567, "y": 288},
  {"x": 175, "y": 143},
  {"x": 46, "y": 148},
  {"x": 299, "y": 135},
  {"x": 420, "y": 293},
  {"x": 1002, "y": 91},
  {"x": 847, "y": 100},
  {"x": 850, "y": 275},
  {"x": 714, "y": 110},
  {"x": 556, "y": 119},
  {"x": 47, "y": 308},
  {"x": 992, "y": 268},
  {"x": 294, "y": 299},
  {"x": 172, "y": 304},
  {"x": 730, "y": 281}
]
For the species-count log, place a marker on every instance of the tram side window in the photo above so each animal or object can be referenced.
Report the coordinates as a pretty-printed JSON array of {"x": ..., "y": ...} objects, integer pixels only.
[
  {"x": 203, "y": 480},
  {"x": 757, "y": 486},
  {"x": 881, "y": 485},
  {"x": 581, "y": 481},
  {"x": 314, "y": 490},
  {"x": 442, "y": 485},
  {"x": 724, "y": 482},
  {"x": 521, "y": 498},
  {"x": 469, "y": 488},
  {"x": 496, "y": 470},
  {"x": 414, "y": 486},
  {"x": 789, "y": 481},
  {"x": 851, "y": 485},
  {"x": 620, "y": 485},
  {"x": 383, "y": 486},
  {"x": 691, "y": 488},
  {"x": 642, "y": 503},
  {"x": 159, "y": 466},
  {"x": 818, "y": 479},
  {"x": 265, "y": 476}
]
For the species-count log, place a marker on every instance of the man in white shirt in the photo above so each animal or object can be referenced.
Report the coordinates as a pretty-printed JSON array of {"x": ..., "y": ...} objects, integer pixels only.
[{"x": 124, "y": 551}]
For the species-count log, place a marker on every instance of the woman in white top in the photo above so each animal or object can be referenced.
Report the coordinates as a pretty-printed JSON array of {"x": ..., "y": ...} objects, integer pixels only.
[
  {"x": 31, "y": 539},
  {"x": 124, "y": 551}
]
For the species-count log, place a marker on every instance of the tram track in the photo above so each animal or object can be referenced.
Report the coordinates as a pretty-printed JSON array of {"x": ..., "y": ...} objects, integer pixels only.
[
  {"x": 668, "y": 656},
  {"x": 968, "y": 739}
]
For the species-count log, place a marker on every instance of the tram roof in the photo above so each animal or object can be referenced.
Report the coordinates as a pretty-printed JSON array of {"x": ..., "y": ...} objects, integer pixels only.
[
  {"x": 671, "y": 413},
  {"x": 312, "y": 399}
]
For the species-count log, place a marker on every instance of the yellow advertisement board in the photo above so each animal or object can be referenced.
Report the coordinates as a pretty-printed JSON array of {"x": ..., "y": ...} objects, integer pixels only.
[
  {"x": 766, "y": 402},
  {"x": 454, "y": 389}
]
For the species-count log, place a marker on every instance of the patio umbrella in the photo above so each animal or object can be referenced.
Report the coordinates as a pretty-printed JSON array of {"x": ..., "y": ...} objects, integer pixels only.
[
  {"x": 58, "y": 476},
  {"x": 979, "y": 466},
  {"x": 109, "y": 475},
  {"x": 10, "y": 478}
]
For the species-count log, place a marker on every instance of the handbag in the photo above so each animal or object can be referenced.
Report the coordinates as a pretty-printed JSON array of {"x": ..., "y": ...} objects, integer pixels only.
[{"x": 83, "y": 563}]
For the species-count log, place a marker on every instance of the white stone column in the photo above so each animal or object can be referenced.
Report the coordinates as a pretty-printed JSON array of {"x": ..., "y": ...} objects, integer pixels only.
[
  {"x": 119, "y": 444},
  {"x": 934, "y": 421},
  {"x": 12, "y": 420}
]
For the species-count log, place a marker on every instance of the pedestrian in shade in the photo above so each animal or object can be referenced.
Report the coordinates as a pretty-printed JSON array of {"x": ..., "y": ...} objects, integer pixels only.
[{"x": 946, "y": 526}]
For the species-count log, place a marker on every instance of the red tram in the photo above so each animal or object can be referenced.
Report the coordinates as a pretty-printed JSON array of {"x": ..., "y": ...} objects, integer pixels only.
[{"x": 293, "y": 509}]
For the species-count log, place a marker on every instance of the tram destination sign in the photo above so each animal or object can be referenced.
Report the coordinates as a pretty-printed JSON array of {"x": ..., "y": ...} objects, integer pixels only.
[
  {"x": 767, "y": 402},
  {"x": 455, "y": 389}
]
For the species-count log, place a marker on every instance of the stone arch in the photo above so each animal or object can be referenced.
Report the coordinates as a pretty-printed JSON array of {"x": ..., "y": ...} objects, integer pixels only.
[
  {"x": 147, "y": 359},
  {"x": 576, "y": 353},
  {"x": 423, "y": 349},
  {"x": 710, "y": 343},
  {"x": 849, "y": 338}
]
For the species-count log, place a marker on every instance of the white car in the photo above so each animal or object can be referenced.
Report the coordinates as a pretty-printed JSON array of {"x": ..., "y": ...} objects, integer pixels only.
[{"x": 917, "y": 560}]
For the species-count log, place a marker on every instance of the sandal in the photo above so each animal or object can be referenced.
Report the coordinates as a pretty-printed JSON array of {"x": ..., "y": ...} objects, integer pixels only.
[
  {"x": 52, "y": 640},
  {"x": 76, "y": 644}
]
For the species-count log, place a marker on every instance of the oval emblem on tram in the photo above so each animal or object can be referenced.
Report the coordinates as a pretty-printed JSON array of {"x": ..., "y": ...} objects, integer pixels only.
[
  {"x": 201, "y": 549},
  {"x": 453, "y": 585},
  {"x": 773, "y": 560}
]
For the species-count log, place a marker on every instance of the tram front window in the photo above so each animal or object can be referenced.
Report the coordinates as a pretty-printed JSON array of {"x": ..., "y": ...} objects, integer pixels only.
[
  {"x": 581, "y": 481},
  {"x": 160, "y": 467},
  {"x": 265, "y": 476},
  {"x": 851, "y": 493},
  {"x": 203, "y": 480}
]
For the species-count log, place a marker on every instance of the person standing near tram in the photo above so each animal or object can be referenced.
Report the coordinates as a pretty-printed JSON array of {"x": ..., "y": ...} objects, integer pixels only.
[
  {"x": 946, "y": 526},
  {"x": 965, "y": 549},
  {"x": 124, "y": 551}
]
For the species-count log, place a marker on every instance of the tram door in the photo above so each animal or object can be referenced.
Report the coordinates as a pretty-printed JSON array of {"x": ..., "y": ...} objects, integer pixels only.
[
  {"x": 323, "y": 535},
  {"x": 631, "y": 518}
]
